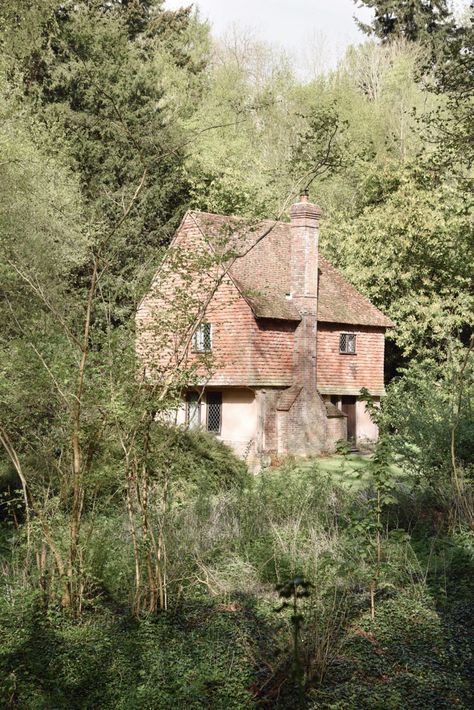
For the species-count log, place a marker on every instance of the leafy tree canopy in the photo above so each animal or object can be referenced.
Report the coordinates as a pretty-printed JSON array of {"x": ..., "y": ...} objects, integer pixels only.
[
  {"x": 411, "y": 252},
  {"x": 113, "y": 83},
  {"x": 415, "y": 20}
]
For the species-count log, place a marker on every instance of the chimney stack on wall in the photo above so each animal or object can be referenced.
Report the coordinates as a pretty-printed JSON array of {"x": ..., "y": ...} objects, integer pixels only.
[
  {"x": 304, "y": 225},
  {"x": 307, "y": 420}
]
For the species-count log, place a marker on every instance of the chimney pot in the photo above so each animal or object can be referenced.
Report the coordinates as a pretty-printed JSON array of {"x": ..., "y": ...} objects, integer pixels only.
[{"x": 305, "y": 210}]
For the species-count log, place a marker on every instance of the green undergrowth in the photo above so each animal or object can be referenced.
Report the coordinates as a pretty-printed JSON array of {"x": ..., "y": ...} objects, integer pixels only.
[
  {"x": 413, "y": 655},
  {"x": 199, "y": 460},
  {"x": 222, "y": 644},
  {"x": 199, "y": 658}
]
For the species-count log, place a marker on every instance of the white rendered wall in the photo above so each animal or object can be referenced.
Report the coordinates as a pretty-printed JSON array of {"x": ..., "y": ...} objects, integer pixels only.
[
  {"x": 239, "y": 419},
  {"x": 367, "y": 431}
]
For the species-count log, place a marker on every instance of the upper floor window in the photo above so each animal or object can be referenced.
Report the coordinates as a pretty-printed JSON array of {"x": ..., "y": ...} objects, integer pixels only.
[
  {"x": 347, "y": 343},
  {"x": 202, "y": 340}
]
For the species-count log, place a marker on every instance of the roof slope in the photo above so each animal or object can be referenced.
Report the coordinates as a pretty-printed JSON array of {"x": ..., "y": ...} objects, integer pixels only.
[{"x": 262, "y": 273}]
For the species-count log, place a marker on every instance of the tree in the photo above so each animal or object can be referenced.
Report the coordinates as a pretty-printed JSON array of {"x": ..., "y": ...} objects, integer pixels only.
[
  {"x": 237, "y": 168},
  {"x": 428, "y": 418},
  {"x": 424, "y": 21},
  {"x": 42, "y": 243},
  {"x": 450, "y": 127},
  {"x": 113, "y": 82},
  {"x": 411, "y": 252},
  {"x": 96, "y": 84}
]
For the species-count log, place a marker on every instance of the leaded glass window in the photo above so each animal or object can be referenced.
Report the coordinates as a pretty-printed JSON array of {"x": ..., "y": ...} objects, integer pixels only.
[
  {"x": 214, "y": 412},
  {"x": 347, "y": 343},
  {"x": 193, "y": 410},
  {"x": 202, "y": 341}
]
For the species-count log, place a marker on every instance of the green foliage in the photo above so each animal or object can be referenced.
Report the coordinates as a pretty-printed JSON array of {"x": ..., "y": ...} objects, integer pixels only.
[
  {"x": 226, "y": 551},
  {"x": 427, "y": 230},
  {"x": 450, "y": 125},
  {"x": 416, "y": 20},
  {"x": 449, "y": 564},
  {"x": 198, "y": 461},
  {"x": 237, "y": 168},
  {"x": 106, "y": 105},
  {"x": 411, "y": 656},
  {"x": 419, "y": 413},
  {"x": 319, "y": 147},
  {"x": 99, "y": 79},
  {"x": 161, "y": 662},
  {"x": 113, "y": 88},
  {"x": 343, "y": 447}
]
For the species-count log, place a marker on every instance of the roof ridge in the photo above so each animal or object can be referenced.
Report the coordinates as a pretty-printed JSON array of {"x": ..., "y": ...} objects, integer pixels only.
[{"x": 233, "y": 216}]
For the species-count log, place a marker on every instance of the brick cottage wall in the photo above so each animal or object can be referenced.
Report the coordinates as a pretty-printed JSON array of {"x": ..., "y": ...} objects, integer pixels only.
[
  {"x": 339, "y": 373},
  {"x": 263, "y": 354},
  {"x": 175, "y": 301},
  {"x": 245, "y": 351}
]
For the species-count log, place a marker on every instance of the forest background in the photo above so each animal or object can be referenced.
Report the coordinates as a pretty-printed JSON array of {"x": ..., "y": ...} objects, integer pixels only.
[{"x": 150, "y": 552}]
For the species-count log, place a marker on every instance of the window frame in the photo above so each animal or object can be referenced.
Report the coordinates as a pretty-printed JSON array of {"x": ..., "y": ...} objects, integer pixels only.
[
  {"x": 189, "y": 399},
  {"x": 218, "y": 396},
  {"x": 354, "y": 338},
  {"x": 199, "y": 337}
]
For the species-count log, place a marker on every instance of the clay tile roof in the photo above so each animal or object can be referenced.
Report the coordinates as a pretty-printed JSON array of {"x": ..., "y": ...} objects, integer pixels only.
[
  {"x": 341, "y": 302},
  {"x": 332, "y": 411},
  {"x": 288, "y": 397},
  {"x": 260, "y": 267},
  {"x": 268, "y": 305}
]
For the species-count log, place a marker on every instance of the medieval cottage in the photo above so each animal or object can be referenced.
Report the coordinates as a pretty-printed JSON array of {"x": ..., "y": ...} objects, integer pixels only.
[{"x": 291, "y": 342}]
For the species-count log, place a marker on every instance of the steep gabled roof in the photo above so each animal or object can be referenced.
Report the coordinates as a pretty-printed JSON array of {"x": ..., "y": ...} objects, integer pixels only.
[
  {"x": 267, "y": 304},
  {"x": 261, "y": 270}
]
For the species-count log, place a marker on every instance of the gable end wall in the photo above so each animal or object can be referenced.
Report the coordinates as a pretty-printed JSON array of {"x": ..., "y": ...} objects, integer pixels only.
[{"x": 245, "y": 351}]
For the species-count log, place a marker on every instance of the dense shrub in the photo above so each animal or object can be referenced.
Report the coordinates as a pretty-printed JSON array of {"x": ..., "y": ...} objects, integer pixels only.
[
  {"x": 419, "y": 413},
  {"x": 48, "y": 661},
  {"x": 198, "y": 460}
]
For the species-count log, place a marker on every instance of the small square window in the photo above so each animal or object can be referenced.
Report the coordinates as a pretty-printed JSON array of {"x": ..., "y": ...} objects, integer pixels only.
[
  {"x": 202, "y": 340},
  {"x": 347, "y": 343}
]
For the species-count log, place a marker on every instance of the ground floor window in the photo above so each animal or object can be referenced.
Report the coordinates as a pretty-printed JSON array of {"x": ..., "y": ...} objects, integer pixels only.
[
  {"x": 214, "y": 412},
  {"x": 193, "y": 410}
]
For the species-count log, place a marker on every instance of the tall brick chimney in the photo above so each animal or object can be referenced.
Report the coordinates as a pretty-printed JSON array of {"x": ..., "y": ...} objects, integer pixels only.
[
  {"x": 304, "y": 228},
  {"x": 307, "y": 421}
]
